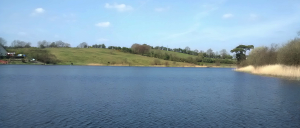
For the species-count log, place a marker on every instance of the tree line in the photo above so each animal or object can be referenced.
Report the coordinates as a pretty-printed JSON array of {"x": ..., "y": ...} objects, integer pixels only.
[
  {"x": 40, "y": 44},
  {"x": 161, "y": 52},
  {"x": 143, "y": 49},
  {"x": 56, "y": 44},
  {"x": 15, "y": 43},
  {"x": 286, "y": 54},
  {"x": 223, "y": 54}
]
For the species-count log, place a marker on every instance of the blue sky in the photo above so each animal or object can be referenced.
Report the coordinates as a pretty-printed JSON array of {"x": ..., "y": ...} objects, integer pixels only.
[{"x": 199, "y": 24}]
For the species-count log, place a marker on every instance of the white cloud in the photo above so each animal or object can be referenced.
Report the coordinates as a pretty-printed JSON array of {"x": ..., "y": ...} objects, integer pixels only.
[
  {"x": 102, "y": 40},
  {"x": 228, "y": 15},
  {"x": 119, "y": 7},
  {"x": 161, "y": 9},
  {"x": 103, "y": 24},
  {"x": 38, "y": 11}
]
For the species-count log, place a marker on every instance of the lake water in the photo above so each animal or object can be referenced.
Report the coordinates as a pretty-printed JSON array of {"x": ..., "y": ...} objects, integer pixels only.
[{"x": 91, "y": 96}]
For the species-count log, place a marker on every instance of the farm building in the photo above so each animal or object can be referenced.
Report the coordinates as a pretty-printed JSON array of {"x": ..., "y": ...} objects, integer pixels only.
[{"x": 3, "y": 52}]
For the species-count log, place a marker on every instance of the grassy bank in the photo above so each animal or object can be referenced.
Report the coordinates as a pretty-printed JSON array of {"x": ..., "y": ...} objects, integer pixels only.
[{"x": 273, "y": 70}]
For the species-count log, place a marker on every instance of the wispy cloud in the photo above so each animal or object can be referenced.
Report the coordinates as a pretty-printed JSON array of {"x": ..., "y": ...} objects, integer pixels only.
[
  {"x": 228, "y": 15},
  {"x": 241, "y": 32},
  {"x": 38, "y": 11},
  {"x": 191, "y": 30},
  {"x": 261, "y": 29},
  {"x": 102, "y": 40},
  {"x": 161, "y": 9},
  {"x": 103, "y": 24},
  {"x": 119, "y": 7},
  {"x": 208, "y": 8}
]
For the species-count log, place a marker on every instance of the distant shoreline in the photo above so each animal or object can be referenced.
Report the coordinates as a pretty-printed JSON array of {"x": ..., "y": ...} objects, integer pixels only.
[
  {"x": 127, "y": 65},
  {"x": 157, "y": 66}
]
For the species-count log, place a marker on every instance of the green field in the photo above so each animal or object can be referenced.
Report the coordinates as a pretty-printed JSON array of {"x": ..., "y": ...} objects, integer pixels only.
[
  {"x": 98, "y": 56},
  {"x": 92, "y": 56},
  {"x": 183, "y": 55}
]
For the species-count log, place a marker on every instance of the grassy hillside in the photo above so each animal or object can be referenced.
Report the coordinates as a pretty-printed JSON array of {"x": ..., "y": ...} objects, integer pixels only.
[
  {"x": 98, "y": 56},
  {"x": 93, "y": 56},
  {"x": 183, "y": 55},
  {"x": 193, "y": 58}
]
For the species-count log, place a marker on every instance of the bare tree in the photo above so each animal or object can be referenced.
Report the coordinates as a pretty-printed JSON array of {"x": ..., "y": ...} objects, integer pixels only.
[
  {"x": 67, "y": 45},
  {"x": 217, "y": 54},
  {"x": 53, "y": 45},
  {"x": 20, "y": 44},
  {"x": 60, "y": 43},
  {"x": 43, "y": 44},
  {"x": 27, "y": 45},
  {"x": 135, "y": 48},
  {"x": 210, "y": 52},
  {"x": 223, "y": 53},
  {"x": 83, "y": 45},
  {"x": 140, "y": 49},
  {"x": 187, "y": 48}
]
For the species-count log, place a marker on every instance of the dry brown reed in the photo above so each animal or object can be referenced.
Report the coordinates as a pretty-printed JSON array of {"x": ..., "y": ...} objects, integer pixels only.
[{"x": 273, "y": 70}]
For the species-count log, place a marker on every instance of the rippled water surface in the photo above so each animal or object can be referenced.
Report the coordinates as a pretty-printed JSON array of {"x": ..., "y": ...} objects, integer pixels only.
[{"x": 90, "y": 96}]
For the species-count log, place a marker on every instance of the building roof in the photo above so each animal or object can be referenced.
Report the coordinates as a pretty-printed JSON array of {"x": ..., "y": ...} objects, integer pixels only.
[{"x": 3, "y": 52}]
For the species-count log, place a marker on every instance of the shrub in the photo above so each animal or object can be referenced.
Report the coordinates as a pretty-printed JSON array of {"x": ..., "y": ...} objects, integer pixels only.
[
  {"x": 243, "y": 63},
  {"x": 166, "y": 56},
  {"x": 263, "y": 56},
  {"x": 43, "y": 56},
  {"x": 289, "y": 54},
  {"x": 208, "y": 60},
  {"x": 217, "y": 62},
  {"x": 113, "y": 62},
  {"x": 199, "y": 58},
  {"x": 167, "y": 63},
  {"x": 140, "y": 49},
  {"x": 156, "y": 62},
  {"x": 23, "y": 60}
]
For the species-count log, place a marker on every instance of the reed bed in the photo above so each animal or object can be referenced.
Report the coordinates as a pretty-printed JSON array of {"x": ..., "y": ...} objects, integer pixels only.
[{"x": 273, "y": 70}]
